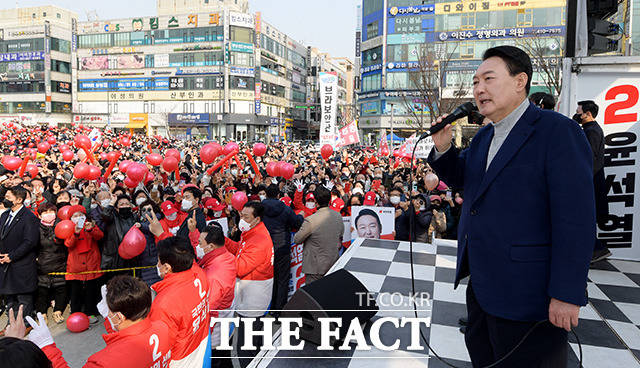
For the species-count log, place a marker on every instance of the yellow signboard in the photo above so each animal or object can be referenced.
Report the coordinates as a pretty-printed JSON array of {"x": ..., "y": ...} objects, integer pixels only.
[
  {"x": 151, "y": 96},
  {"x": 457, "y": 7}
]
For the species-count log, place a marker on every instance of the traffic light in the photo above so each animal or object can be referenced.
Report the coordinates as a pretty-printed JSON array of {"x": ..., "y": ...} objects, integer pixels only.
[{"x": 599, "y": 29}]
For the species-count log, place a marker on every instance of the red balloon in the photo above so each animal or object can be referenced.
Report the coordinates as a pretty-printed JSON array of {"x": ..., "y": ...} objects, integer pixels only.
[
  {"x": 63, "y": 147},
  {"x": 154, "y": 159},
  {"x": 67, "y": 155},
  {"x": 43, "y": 147},
  {"x": 82, "y": 141},
  {"x": 32, "y": 169},
  {"x": 208, "y": 153},
  {"x": 271, "y": 168},
  {"x": 11, "y": 163},
  {"x": 123, "y": 165},
  {"x": 173, "y": 153},
  {"x": 137, "y": 172},
  {"x": 94, "y": 173},
  {"x": 31, "y": 145},
  {"x": 51, "y": 140},
  {"x": 103, "y": 156},
  {"x": 65, "y": 229},
  {"x": 63, "y": 213},
  {"x": 132, "y": 244},
  {"x": 106, "y": 142},
  {"x": 111, "y": 156},
  {"x": 279, "y": 168},
  {"x": 431, "y": 181},
  {"x": 81, "y": 171},
  {"x": 150, "y": 177},
  {"x": 229, "y": 147},
  {"x": 125, "y": 141},
  {"x": 77, "y": 322},
  {"x": 130, "y": 183},
  {"x": 326, "y": 151},
  {"x": 259, "y": 149},
  {"x": 238, "y": 200},
  {"x": 287, "y": 170},
  {"x": 170, "y": 163},
  {"x": 384, "y": 151}
]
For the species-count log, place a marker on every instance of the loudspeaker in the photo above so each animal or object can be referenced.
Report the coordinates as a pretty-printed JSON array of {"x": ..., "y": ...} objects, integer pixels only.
[{"x": 336, "y": 295}]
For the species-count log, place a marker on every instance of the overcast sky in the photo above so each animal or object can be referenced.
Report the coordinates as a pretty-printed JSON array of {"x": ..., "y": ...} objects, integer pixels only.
[{"x": 327, "y": 24}]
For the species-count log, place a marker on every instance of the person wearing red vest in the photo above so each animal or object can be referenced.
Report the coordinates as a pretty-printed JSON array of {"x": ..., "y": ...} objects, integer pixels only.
[
  {"x": 254, "y": 263},
  {"x": 135, "y": 342},
  {"x": 182, "y": 302},
  {"x": 220, "y": 267}
]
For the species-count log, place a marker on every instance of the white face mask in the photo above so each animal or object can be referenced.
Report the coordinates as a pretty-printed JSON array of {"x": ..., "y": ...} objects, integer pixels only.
[
  {"x": 357, "y": 190},
  {"x": 394, "y": 199},
  {"x": 79, "y": 221},
  {"x": 234, "y": 172},
  {"x": 186, "y": 205},
  {"x": 159, "y": 273},
  {"x": 422, "y": 208},
  {"x": 262, "y": 197},
  {"x": 172, "y": 217},
  {"x": 27, "y": 202},
  {"x": 217, "y": 214},
  {"x": 310, "y": 205},
  {"x": 244, "y": 226},
  {"x": 274, "y": 181},
  {"x": 113, "y": 325},
  {"x": 140, "y": 201},
  {"x": 199, "y": 252},
  {"x": 94, "y": 206},
  {"x": 105, "y": 202}
]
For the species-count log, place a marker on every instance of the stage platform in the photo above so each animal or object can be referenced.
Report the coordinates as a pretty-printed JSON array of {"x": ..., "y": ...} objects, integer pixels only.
[{"x": 609, "y": 326}]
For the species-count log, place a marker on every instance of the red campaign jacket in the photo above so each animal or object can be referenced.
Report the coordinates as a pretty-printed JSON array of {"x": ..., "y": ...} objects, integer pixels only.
[
  {"x": 220, "y": 267},
  {"x": 145, "y": 344},
  {"x": 182, "y": 302},
  {"x": 168, "y": 225},
  {"x": 299, "y": 206},
  {"x": 84, "y": 254},
  {"x": 254, "y": 254}
]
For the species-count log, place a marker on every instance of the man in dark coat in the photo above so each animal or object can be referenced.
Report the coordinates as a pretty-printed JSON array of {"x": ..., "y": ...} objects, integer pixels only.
[
  {"x": 280, "y": 220},
  {"x": 586, "y": 116},
  {"x": 19, "y": 236},
  {"x": 118, "y": 218}
]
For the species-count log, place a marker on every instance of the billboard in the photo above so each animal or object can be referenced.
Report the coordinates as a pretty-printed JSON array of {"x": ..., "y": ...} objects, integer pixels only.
[{"x": 328, "y": 85}]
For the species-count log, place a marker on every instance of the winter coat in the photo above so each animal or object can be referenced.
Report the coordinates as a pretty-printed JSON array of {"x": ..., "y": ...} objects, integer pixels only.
[
  {"x": 280, "y": 220},
  {"x": 84, "y": 254},
  {"x": 116, "y": 228},
  {"x": 52, "y": 257}
]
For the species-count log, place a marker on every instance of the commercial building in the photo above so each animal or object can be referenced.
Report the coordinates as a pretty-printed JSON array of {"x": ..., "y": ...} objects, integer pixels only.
[
  {"x": 199, "y": 68},
  {"x": 398, "y": 35},
  {"x": 36, "y": 46}
]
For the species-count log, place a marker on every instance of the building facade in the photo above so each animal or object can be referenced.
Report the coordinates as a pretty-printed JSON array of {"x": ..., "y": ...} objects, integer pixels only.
[
  {"x": 399, "y": 38},
  {"x": 199, "y": 68},
  {"x": 35, "y": 65}
]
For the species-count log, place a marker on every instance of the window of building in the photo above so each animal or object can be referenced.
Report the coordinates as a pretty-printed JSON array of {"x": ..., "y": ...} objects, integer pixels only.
[
  {"x": 371, "y": 82},
  {"x": 525, "y": 17},
  {"x": 372, "y": 56},
  {"x": 242, "y": 59},
  {"x": 241, "y": 34},
  {"x": 60, "y": 66},
  {"x": 468, "y": 20},
  {"x": 371, "y": 6},
  {"x": 373, "y": 30},
  {"x": 467, "y": 50},
  {"x": 60, "y": 45}
]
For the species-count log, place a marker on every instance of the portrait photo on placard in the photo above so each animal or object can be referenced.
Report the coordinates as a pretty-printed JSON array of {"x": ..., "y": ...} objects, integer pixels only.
[{"x": 373, "y": 222}]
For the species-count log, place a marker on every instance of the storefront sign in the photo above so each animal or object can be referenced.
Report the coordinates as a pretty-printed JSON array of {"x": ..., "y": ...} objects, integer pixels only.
[
  {"x": 455, "y": 7},
  {"x": 241, "y": 20},
  {"x": 485, "y": 34},
  {"x": 178, "y": 119},
  {"x": 22, "y": 56},
  {"x": 241, "y": 47},
  {"x": 410, "y": 10}
]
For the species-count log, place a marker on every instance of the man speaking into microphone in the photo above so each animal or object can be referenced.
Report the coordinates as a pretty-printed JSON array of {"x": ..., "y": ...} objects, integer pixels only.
[{"x": 527, "y": 226}]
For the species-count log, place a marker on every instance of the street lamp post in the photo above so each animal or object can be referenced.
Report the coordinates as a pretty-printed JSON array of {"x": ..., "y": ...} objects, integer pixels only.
[{"x": 392, "y": 140}]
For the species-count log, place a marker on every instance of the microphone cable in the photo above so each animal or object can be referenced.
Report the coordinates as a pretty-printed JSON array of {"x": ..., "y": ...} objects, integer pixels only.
[{"x": 413, "y": 285}]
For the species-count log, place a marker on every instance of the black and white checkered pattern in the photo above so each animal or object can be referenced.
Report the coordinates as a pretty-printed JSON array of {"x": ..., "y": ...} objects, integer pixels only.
[{"x": 608, "y": 328}]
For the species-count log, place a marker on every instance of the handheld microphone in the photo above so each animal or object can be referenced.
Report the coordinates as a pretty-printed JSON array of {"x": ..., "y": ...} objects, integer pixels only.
[{"x": 460, "y": 112}]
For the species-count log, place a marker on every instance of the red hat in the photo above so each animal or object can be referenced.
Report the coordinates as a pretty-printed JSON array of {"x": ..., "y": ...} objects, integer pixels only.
[
  {"x": 435, "y": 197},
  {"x": 286, "y": 200},
  {"x": 76, "y": 208},
  {"x": 213, "y": 204},
  {"x": 228, "y": 189},
  {"x": 168, "y": 208},
  {"x": 369, "y": 199},
  {"x": 337, "y": 204},
  {"x": 309, "y": 196},
  {"x": 187, "y": 186}
]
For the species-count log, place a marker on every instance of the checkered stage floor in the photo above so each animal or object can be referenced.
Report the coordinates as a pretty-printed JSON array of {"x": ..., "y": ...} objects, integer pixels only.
[{"x": 609, "y": 326}]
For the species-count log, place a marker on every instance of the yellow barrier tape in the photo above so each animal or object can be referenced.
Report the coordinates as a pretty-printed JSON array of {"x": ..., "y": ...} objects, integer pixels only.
[{"x": 99, "y": 271}]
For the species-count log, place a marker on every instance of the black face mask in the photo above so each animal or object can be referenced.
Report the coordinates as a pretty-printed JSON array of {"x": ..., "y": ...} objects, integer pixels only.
[
  {"x": 7, "y": 203},
  {"x": 125, "y": 212},
  {"x": 59, "y": 205},
  {"x": 577, "y": 118}
]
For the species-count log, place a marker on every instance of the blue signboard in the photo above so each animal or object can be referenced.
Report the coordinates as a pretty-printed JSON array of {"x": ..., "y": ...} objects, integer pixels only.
[
  {"x": 125, "y": 84},
  {"x": 402, "y": 66},
  {"x": 489, "y": 34},
  {"x": 22, "y": 56},
  {"x": 241, "y": 47},
  {"x": 412, "y": 10},
  {"x": 406, "y": 38},
  {"x": 370, "y": 68},
  {"x": 180, "y": 119}
]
